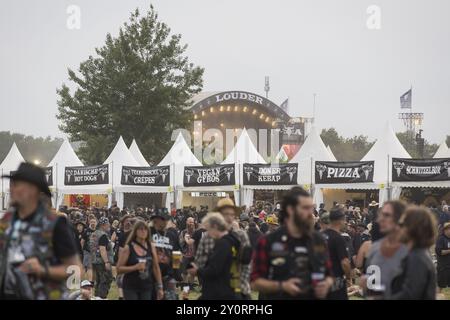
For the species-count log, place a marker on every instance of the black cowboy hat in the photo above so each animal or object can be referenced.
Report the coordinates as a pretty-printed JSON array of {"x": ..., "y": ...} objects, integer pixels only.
[{"x": 30, "y": 173}]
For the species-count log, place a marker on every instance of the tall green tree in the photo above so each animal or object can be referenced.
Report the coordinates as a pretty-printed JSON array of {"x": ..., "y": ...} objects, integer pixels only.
[
  {"x": 346, "y": 149},
  {"x": 408, "y": 140},
  {"x": 137, "y": 85}
]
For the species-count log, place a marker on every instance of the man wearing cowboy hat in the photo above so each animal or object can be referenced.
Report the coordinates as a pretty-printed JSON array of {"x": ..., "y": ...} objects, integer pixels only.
[
  {"x": 443, "y": 257},
  {"x": 36, "y": 246},
  {"x": 229, "y": 211}
]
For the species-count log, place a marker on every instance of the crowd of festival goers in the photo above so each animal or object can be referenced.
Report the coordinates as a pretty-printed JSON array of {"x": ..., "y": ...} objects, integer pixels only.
[{"x": 288, "y": 250}]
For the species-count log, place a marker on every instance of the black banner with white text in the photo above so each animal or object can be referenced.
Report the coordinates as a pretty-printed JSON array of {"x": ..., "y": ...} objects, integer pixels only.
[
  {"x": 89, "y": 175},
  {"x": 420, "y": 169},
  {"x": 343, "y": 172},
  {"x": 214, "y": 175},
  {"x": 270, "y": 174},
  {"x": 146, "y": 176}
]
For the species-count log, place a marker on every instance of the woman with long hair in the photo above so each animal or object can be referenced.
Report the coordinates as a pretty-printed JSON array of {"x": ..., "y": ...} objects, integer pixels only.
[
  {"x": 417, "y": 280},
  {"x": 138, "y": 262}
]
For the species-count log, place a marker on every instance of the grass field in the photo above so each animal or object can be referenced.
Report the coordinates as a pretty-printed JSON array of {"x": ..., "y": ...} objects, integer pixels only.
[{"x": 114, "y": 294}]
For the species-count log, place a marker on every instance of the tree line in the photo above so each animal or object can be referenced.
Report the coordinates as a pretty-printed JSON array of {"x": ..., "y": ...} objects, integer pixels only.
[{"x": 33, "y": 149}]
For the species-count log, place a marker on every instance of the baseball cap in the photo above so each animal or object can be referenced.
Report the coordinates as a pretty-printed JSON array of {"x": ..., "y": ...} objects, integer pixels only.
[{"x": 86, "y": 283}]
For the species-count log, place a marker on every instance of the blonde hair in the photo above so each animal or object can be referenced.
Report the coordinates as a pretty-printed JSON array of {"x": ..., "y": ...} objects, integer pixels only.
[{"x": 215, "y": 220}]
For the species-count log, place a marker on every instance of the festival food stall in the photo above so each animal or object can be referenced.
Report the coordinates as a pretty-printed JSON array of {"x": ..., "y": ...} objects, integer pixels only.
[
  {"x": 365, "y": 180},
  {"x": 129, "y": 177},
  {"x": 427, "y": 181},
  {"x": 179, "y": 156},
  {"x": 385, "y": 148},
  {"x": 243, "y": 152},
  {"x": 312, "y": 150}
]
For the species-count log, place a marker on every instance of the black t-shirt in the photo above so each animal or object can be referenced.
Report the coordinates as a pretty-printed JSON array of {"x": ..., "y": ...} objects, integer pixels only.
[
  {"x": 63, "y": 240},
  {"x": 337, "y": 250},
  {"x": 197, "y": 236},
  {"x": 165, "y": 243},
  {"x": 103, "y": 241}
]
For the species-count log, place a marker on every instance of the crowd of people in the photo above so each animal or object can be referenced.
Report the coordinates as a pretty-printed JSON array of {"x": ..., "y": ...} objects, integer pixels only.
[{"x": 291, "y": 250}]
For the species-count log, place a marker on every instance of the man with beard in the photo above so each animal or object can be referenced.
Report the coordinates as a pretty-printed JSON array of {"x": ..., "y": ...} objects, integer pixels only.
[
  {"x": 339, "y": 255},
  {"x": 36, "y": 245},
  {"x": 292, "y": 261}
]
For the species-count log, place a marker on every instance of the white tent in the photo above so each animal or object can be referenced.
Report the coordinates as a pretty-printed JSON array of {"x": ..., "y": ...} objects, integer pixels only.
[
  {"x": 312, "y": 150},
  {"x": 11, "y": 162},
  {"x": 179, "y": 156},
  {"x": 443, "y": 151},
  {"x": 385, "y": 148},
  {"x": 387, "y": 145},
  {"x": 65, "y": 157},
  {"x": 121, "y": 156},
  {"x": 331, "y": 153},
  {"x": 137, "y": 154},
  {"x": 244, "y": 151}
]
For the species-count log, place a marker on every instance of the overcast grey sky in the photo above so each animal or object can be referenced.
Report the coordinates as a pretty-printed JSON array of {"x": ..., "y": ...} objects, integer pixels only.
[{"x": 305, "y": 46}]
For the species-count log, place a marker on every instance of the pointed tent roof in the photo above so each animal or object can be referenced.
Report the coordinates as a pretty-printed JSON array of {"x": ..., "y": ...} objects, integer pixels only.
[
  {"x": 314, "y": 148},
  {"x": 244, "y": 151},
  {"x": 137, "y": 154},
  {"x": 179, "y": 155},
  {"x": 386, "y": 145},
  {"x": 12, "y": 160},
  {"x": 443, "y": 151},
  {"x": 120, "y": 156},
  {"x": 331, "y": 153},
  {"x": 65, "y": 156}
]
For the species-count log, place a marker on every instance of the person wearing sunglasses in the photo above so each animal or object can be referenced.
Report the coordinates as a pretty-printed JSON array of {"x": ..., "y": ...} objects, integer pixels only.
[
  {"x": 417, "y": 281},
  {"x": 384, "y": 259}
]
